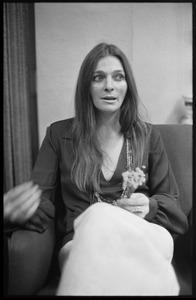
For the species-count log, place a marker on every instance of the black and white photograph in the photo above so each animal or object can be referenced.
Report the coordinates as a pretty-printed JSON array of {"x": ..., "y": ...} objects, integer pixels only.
[{"x": 98, "y": 149}]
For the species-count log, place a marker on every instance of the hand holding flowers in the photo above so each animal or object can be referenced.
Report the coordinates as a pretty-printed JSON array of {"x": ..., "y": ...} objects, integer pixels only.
[{"x": 134, "y": 202}]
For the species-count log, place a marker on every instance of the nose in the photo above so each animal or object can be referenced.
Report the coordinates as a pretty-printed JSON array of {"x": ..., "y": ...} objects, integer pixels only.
[{"x": 108, "y": 85}]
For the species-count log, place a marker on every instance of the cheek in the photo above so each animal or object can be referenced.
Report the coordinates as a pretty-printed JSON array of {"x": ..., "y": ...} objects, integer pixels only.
[
  {"x": 94, "y": 93},
  {"x": 123, "y": 90}
]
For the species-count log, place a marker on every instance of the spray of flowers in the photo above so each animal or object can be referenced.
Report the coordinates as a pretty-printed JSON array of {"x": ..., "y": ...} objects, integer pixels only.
[{"x": 132, "y": 179}]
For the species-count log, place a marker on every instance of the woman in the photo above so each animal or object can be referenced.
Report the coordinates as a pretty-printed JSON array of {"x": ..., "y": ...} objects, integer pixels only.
[{"x": 122, "y": 244}]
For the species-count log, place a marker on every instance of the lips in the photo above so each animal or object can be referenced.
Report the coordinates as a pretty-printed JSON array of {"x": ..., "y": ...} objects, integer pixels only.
[{"x": 109, "y": 98}]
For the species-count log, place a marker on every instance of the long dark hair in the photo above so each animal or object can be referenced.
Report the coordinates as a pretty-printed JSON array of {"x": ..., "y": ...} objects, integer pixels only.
[{"x": 88, "y": 154}]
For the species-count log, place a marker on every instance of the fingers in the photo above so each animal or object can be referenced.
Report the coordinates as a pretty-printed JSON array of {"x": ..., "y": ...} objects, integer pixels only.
[
  {"x": 16, "y": 197},
  {"x": 27, "y": 205},
  {"x": 135, "y": 200},
  {"x": 138, "y": 204},
  {"x": 30, "y": 212},
  {"x": 21, "y": 202},
  {"x": 24, "y": 213},
  {"x": 27, "y": 196},
  {"x": 16, "y": 191}
]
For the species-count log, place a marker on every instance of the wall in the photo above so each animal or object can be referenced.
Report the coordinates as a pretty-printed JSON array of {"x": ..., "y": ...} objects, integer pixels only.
[
  {"x": 162, "y": 56},
  {"x": 156, "y": 37}
]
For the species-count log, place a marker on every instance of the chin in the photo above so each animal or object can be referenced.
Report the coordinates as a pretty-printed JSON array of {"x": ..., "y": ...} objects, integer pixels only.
[{"x": 109, "y": 110}]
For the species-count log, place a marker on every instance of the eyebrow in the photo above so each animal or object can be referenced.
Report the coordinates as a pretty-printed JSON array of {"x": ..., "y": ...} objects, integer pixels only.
[{"x": 101, "y": 71}]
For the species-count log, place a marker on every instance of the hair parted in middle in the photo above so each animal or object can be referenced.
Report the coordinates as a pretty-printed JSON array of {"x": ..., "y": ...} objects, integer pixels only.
[{"x": 88, "y": 154}]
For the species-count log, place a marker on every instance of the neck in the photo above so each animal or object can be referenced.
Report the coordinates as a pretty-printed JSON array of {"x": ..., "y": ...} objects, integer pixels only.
[{"x": 108, "y": 126}]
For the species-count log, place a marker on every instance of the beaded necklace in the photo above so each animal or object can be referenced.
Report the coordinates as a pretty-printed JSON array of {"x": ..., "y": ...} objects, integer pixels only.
[{"x": 97, "y": 197}]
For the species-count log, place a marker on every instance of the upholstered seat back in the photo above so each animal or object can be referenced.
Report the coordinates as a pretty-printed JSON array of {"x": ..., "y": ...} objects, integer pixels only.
[{"x": 178, "y": 143}]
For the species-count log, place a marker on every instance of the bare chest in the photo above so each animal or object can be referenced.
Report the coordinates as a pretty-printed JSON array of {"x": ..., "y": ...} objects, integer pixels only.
[{"x": 112, "y": 151}]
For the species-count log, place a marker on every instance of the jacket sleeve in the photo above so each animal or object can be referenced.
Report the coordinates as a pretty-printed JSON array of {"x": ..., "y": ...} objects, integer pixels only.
[
  {"x": 164, "y": 203},
  {"x": 45, "y": 173}
]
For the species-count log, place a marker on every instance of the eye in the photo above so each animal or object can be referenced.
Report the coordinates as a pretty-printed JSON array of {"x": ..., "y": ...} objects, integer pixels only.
[
  {"x": 119, "y": 77},
  {"x": 98, "y": 78}
]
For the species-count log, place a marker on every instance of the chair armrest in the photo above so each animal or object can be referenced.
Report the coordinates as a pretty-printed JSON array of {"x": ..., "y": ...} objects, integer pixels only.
[{"x": 30, "y": 255}]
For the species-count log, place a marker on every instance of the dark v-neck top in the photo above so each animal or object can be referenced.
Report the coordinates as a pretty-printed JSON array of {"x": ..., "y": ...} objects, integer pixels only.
[{"x": 112, "y": 189}]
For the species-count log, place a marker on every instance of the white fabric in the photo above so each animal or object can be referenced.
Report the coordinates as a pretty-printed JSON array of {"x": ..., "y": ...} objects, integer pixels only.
[{"x": 115, "y": 252}]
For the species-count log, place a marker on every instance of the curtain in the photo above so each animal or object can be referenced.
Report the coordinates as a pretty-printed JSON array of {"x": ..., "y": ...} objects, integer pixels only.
[{"x": 20, "y": 110}]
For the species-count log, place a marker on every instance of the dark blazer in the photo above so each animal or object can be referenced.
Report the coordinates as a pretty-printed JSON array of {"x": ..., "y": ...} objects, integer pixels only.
[{"x": 54, "y": 165}]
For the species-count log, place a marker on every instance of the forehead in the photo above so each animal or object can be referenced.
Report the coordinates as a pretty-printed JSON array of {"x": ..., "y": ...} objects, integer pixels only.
[{"x": 109, "y": 63}]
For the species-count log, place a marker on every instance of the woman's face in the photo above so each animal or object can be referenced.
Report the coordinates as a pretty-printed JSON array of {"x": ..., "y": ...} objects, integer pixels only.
[{"x": 109, "y": 86}]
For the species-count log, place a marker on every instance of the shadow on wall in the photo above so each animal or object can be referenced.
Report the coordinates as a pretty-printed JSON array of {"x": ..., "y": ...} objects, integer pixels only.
[{"x": 182, "y": 112}]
